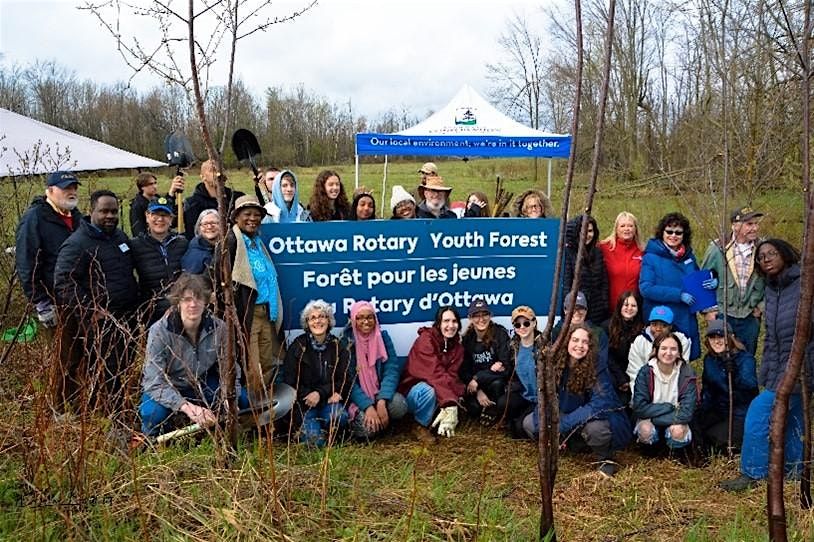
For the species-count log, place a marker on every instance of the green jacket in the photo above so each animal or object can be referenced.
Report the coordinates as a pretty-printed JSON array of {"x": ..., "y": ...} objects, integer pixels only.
[{"x": 738, "y": 306}]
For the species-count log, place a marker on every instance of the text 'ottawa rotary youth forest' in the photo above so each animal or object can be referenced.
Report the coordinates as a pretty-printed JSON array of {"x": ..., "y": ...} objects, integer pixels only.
[{"x": 406, "y": 244}]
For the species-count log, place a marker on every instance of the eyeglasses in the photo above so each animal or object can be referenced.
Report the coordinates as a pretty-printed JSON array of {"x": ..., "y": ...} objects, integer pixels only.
[
  {"x": 524, "y": 323},
  {"x": 480, "y": 315},
  {"x": 768, "y": 255},
  {"x": 365, "y": 318},
  {"x": 673, "y": 232},
  {"x": 317, "y": 317},
  {"x": 532, "y": 207},
  {"x": 207, "y": 224},
  {"x": 191, "y": 299}
]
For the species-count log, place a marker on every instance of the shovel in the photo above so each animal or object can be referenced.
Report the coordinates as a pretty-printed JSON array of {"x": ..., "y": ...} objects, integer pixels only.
[
  {"x": 263, "y": 412},
  {"x": 179, "y": 154},
  {"x": 246, "y": 148}
]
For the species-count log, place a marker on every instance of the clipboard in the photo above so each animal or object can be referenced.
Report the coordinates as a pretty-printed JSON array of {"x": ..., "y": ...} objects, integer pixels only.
[{"x": 693, "y": 285}]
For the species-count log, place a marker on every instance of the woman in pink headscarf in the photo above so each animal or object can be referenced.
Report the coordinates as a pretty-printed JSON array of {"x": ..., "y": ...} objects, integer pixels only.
[{"x": 374, "y": 401}]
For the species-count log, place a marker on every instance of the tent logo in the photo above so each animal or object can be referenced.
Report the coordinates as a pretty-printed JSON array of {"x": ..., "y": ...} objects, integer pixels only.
[{"x": 465, "y": 116}]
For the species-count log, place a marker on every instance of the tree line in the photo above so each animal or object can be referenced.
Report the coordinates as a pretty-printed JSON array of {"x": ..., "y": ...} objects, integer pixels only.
[{"x": 293, "y": 125}]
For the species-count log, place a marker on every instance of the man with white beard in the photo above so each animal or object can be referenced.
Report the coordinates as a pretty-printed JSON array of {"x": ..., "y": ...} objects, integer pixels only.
[
  {"x": 41, "y": 231},
  {"x": 436, "y": 199}
]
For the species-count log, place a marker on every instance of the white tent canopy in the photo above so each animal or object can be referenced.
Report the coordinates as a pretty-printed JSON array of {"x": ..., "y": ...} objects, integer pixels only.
[
  {"x": 31, "y": 147},
  {"x": 467, "y": 126}
]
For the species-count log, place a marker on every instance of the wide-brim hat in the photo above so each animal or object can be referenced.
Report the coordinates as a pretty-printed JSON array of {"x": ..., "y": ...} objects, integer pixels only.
[
  {"x": 247, "y": 202},
  {"x": 434, "y": 182}
]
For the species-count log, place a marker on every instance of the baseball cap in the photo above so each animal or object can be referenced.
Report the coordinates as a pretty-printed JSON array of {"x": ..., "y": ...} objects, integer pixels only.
[
  {"x": 524, "y": 311},
  {"x": 662, "y": 314},
  {"x": 715, "y": 328},
  {"x": 743, "y": 214},
  {"x": 429, "y": 169},
  {"x": 161, "y": 204},
  {"x": 582, "y": 302},
  {"x": 478, "y": 305},
  {"x": 61, "y": 179}
]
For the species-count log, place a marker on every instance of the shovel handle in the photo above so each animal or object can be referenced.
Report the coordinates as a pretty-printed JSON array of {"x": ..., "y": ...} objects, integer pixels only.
[{"x": 188, "y": 430}]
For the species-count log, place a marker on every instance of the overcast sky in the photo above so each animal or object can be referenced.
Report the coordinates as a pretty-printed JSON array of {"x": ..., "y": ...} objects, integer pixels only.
[{"x": 380, "y": 54}]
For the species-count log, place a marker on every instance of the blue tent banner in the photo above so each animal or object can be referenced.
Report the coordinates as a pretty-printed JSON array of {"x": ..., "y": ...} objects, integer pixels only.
[
  {"x": 464, "y": 145},
  {"x": 408, "y": 268}
]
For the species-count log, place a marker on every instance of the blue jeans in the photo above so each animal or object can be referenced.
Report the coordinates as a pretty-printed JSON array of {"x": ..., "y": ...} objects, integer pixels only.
[
  {"x": 746, "y": 330},
  {"x": 319, "y": 421},
  {"x": 153, "y": 414},
  {"x": 421, "y": 403},
  {"x": 755, "y": 449}
]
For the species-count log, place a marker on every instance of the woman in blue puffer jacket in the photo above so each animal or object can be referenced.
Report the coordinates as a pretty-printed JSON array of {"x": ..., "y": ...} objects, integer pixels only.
[{"x": 667, "y": 259}]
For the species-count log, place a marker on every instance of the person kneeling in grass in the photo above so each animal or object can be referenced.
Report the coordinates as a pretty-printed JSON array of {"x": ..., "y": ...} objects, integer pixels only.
[
  {"x": 181, "y": 367},
  {"x": 665, "y": 396},
  {"x": 591, "y": 416}
]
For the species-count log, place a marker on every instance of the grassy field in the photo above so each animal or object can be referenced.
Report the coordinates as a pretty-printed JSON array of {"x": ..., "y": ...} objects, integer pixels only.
[{"x": 63, "y": 481}]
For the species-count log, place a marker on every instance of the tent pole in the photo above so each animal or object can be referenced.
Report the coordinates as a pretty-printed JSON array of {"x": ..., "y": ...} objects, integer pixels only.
[
  {"x": 384, "y": 186},
  {"x": 549, "y": 179},
  {"x": 356, "y": 173}
]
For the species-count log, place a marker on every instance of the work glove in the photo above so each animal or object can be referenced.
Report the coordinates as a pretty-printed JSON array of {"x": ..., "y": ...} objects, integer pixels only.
[
  {"x": 447, "y": 421},
  {"x": 687, "y": 298},
  {"x": 46, "y": 314},
  {"x": 710, "y": 284}
]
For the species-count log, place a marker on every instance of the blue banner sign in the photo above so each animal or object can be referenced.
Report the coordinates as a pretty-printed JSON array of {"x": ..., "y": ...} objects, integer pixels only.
[
  {"x": 464, "y": 145},
  {"x": 408, "y": 268}
]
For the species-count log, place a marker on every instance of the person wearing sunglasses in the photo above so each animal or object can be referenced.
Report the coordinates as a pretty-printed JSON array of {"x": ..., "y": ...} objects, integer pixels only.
[
  {"x": 668, "y": 258},
  {"x": 521, "y": 391},
  {"x": 316, "y": 366},
  {"x": 778, "y": 263}
]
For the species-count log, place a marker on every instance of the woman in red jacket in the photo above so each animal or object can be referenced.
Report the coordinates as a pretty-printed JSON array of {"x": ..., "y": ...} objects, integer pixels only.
[
  {"x": 622, "y": 251},
  {"x": 431, "y": 378}
]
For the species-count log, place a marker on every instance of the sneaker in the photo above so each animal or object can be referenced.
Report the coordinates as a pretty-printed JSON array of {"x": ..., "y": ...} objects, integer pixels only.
[
  {"x": 741, "y": 483},
  {"x": 608, "y": 469}
]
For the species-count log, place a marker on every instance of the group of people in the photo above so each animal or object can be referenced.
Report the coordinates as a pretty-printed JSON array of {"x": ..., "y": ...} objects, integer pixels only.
[{"x": 623, "y": 372}]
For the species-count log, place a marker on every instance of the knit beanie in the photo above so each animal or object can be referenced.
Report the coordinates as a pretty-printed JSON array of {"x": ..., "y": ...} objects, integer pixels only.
[{"x": 399, "y": 195}]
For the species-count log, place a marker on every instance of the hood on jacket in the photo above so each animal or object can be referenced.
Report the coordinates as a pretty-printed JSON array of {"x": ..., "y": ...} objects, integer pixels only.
[
  {"x": 572, "y": 228},
  {"x": 287, "y": 214},
  {"x": 785, "y": 277},
  {"x": 438, "y": 339},
  {"x": 548, "y": 209}
]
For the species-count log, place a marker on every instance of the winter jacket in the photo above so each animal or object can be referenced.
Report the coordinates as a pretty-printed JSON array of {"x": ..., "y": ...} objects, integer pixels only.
[
  {"x": 199, "y": 201},
  {"x": 422, "y": 212},
  {"x": 660, "y": 283},
  {"x": 715, "y": 386},
  {"x": 738, "y": 305},
  {"x": 517, "y": 206},
  {"x": 158, "y": 264},
  {"x": 598, "y": 403},
  {"x": 198, "y": 256},
  {"x": 96, "y": 269},
  {"x": 594, "y": 279},
  {"x": 388, "y": 371},
  {"x": 40, "y": 235},
  {"x": 665, "y": 414},
  {"x": 478, "y": 360},
  {"x": 623, "y": 264},
  {"x": 782, "y": 300},
  {"x": 307, "y": 370},
  {"x": 435, "y": 360},
  {"x": 173, "y": 363},
  {"x": 641, "y": 349}
]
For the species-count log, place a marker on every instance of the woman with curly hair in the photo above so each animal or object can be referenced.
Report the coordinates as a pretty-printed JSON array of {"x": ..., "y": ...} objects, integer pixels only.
[
  {"x": 328, "y": 199},
  {"x": 591, "y": 417},
  {"x": 622, "y": 251},
  {"x": 668, "y": 258},
  {"x": 533, "y": 203},
  {"x": 317, "y": 367},
  {"x": 625, "y": 324}
]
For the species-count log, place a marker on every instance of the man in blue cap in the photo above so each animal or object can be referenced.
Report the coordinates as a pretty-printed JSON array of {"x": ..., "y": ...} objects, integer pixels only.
[{"x": 47, "y": 223}]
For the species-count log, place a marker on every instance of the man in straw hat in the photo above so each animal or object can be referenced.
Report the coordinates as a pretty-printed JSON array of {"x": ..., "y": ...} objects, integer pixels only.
[{"x": 436, "y": 199}]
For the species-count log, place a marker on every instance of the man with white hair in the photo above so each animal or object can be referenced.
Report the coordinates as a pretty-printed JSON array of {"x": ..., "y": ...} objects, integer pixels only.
[
  {"x": 436, "y": 199},
  {"x": 42, "y": 229}
]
